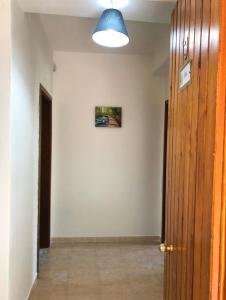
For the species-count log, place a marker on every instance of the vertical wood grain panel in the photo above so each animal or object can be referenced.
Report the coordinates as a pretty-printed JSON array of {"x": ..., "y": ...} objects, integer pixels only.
[
  {"x": 176, "y": 156},
  {"x": 194, "y": 52},
  {"x": 187, "y": 108},
  {"x": 204, "y": 167},
  {"x": 167, "y": 279},
  {"x": 179, "y": 191},
  {"x": 173, "y": 103}
]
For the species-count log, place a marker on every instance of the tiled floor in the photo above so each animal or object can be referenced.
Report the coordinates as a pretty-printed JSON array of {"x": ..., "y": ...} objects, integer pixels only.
[{"x": 100, "y": 272}]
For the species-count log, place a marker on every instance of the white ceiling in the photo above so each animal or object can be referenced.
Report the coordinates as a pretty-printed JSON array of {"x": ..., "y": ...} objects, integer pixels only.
[
  {"x": 158, "y": 11},
  {"x": 69, "y": 24},
  {"x": 75, "y": 34}
]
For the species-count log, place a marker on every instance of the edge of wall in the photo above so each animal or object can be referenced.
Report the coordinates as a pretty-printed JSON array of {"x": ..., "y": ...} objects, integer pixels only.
[{"x": 33, "y": 285}]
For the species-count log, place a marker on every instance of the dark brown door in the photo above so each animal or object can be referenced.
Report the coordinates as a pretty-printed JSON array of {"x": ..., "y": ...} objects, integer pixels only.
[
  {"x": 45, "y": 169},
  {"x": 190, "y": 152}
]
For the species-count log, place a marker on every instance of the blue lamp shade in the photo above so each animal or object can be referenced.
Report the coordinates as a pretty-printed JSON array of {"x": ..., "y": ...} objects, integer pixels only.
[{"x": 111, "y": 29}]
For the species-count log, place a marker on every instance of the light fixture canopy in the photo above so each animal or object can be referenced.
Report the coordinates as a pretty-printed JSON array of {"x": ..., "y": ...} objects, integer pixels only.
[
  {"x": 111, "y": 29},
  {"x": 113, "y": 3}
]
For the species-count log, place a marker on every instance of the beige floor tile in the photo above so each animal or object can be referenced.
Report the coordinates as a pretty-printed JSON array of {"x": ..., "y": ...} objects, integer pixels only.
[
  {"x": 100, "y": 272},
  {"x": 83, "y": 292},
  {"x": 111, "y": 291},
  {"x": 47, "y": 290}
]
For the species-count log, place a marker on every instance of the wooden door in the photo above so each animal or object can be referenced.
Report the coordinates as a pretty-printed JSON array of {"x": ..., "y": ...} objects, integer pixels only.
[
  {"x": 164, "y": 172},
  {"x": 191, "y": 150},
  {"x": 45, "y": 169}
]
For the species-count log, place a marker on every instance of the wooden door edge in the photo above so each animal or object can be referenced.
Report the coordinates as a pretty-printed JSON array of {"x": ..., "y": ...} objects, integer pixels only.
[
  {"x": 222, "y": 276},
  {"x": 217, "y": 272}
]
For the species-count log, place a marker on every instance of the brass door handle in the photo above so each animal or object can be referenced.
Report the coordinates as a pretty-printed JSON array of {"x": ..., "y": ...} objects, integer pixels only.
[{"x": 164, "y": 248}]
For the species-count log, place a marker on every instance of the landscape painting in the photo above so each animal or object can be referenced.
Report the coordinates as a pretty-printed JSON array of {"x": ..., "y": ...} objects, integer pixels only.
[{"x": 110, "y": 117}]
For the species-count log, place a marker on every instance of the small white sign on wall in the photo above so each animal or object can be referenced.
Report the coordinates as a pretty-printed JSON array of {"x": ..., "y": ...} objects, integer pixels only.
[{"x": 186, "y": 75}]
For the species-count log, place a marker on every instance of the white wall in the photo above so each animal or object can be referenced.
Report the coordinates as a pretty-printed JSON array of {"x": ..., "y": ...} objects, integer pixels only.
[
  {"x": 5, "y": 43},
  {"x": 161, "y": 54},
  {"x": 31, "y": 65},
  {"x": 161, "y": 60},
  {"x": 106, "y": 182}
]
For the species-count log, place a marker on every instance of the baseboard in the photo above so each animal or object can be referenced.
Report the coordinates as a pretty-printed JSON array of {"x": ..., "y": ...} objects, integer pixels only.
[{"x": 153, "y": 240}]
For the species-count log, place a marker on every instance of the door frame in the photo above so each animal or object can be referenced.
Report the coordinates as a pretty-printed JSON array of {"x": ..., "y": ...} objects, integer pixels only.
[
  {"x": 164, "y": 171},
  {"x": 218, "y": 246},
  {"x": 45, "y": 93},
  {"x": 222, "y": 276}
]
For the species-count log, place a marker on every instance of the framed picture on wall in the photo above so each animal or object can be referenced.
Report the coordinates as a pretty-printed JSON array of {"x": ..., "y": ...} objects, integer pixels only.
[{"x": 108, "y": 116}]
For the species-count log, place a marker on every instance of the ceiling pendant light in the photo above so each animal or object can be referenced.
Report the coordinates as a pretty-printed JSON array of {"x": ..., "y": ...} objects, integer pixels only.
[{"x": 111, "y": 29}]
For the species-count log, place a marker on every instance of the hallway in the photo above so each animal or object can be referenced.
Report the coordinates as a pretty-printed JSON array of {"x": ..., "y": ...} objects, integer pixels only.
[{"x": 100, "y": 272}]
